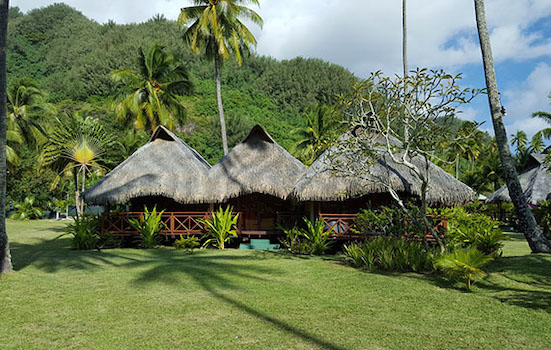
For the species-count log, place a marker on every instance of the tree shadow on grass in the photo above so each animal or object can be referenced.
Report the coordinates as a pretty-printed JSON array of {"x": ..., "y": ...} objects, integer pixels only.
[
  {"x": 214, "y": 272},
  {"x": 523, "y": 281}
]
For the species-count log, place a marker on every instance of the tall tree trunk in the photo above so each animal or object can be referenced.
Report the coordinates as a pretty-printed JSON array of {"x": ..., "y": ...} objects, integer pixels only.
[
  {"x": 404, "y": 38},
  {"x": 5, "y": 256},
  {"x": 537, "y": 241},
  {"x": 457, "y": 167},
  {"x": 220, "y": 107},
  {"x": 82, "y": 190},
  {"x": 77, "y": 193}
]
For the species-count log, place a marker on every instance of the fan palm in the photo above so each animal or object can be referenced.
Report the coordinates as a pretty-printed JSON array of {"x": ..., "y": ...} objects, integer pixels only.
[
  {"x": 317, "y": 135},
  {"x": 216, "y": 29},
  {"x": 77, "y": 146},
  {"x": 151, "y": 95}
]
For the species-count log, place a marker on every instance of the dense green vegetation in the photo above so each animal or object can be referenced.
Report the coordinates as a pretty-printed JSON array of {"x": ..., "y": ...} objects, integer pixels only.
[
  {"x": 70, "y": 58},
  {"x": 235, "y": 299}
]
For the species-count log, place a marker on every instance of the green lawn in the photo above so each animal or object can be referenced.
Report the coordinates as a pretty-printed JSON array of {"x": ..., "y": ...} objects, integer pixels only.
[{"x": 163, "y": 298}]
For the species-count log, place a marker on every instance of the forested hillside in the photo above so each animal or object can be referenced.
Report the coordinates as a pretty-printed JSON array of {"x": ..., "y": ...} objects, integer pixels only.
[{"x": 70, "y": 58}]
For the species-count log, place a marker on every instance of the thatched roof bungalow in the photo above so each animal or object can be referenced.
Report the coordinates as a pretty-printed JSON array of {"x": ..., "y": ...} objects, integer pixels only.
[
  {"x": 256, "y": 178},
  {"x": 535, "y": 180},
  {"x": 324, "y": 182},
  {"x": 165, "y": 167},
  {"x": 256, "y": 165}
]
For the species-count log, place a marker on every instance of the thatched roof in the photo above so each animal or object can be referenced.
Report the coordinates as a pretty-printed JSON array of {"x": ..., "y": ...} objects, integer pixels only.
[
  {"x": 256, "y": 165},
  {"x": 166, "y": 166},
  {"x": 535, "y": 181},
  {"x": 326, "y": 180}
]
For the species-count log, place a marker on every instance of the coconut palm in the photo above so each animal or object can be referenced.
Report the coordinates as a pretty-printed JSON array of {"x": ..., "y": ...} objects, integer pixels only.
[
  {"x": 533, "y": 234},
  {"x": 26, "y": 110},
  {"x": 216, "y": 29},
  {"x": 77, "y": 146},
  {"x": 546, "y": 133},
  {"x": 519, "y": 140},
  {"x": 151, "y": 95},
  {"x": 317, "y": 135}
]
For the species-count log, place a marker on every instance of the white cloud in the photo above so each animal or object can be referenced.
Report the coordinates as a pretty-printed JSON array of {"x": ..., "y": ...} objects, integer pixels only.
[
  {"x": 527, "y": 97},
  {"x": 364, "y": 36}
]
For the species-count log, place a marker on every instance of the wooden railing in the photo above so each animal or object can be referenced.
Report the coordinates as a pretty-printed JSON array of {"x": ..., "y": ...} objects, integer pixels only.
[
  {"x": 342, "y": 225},
  {"x": 338, "y": 224},
  {"x": 176, "y": 223}
]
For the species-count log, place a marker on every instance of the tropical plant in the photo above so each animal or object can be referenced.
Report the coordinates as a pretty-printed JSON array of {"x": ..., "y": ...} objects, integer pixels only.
[
  {"x": 26, "y": 210},
  {"x": 467, "y": 230},
  {"x": 188, "y": 243},
  {"x": 84, "y": 231},
  {"x": 151, "y": 95},
  {"x": 542, "y": 212},
  {"x": 149, "y": 225},
  {"x": 220, "y": 227},
  {"x": 463, "y": 264},
  {"x": 26, "y": 110},
  {"x": 519, "y": 140},
  {"x": 536, "y": 240},
  {"x": 294, "y": 241},
  {"x": 546, "y": 133},
  {"x": 316, "y": 137},
  {"x": 215, "y": 27},
  {"x": 317, "y": 236},
  {"x": 77, "y": 146},
  {"x": 389, "y": 254}
]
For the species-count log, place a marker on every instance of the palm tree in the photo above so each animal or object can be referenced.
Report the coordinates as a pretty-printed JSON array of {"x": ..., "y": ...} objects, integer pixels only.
[
  {"x": 5, "y": 256},
  {"x": 546, "y": 133},
  {"x": 520, "y": 140},
  {"x": 151, "y": 95},
  {"x": 77, "y": 146},
  {"x": 536, "y": 144},
  {"x": 317, "y": 135},
  {"x": 26, "y": 110},
  {"x": 216, "y": 29},
  {"x": 537, "y": 241}
]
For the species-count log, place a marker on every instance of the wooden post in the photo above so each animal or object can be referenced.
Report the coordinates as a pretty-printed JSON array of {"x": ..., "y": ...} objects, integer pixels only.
[
  {"x": 172, "y": 223},
  {"x": 310, "y": 210}
]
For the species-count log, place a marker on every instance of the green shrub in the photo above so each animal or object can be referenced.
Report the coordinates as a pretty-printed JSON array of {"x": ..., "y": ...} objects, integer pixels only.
[
  {"x": 221, "y": 227},
  {"x": 312, "y": 240},
  {"x": 383, "y": 221},
  {"x": 542, "y": 212},
  {"x": 26, "y": 210},
  {"x": 463, "y": 264},
  {"x": 317, "y": 236},
  {"x": 389, "y": 254},
  {"x": 295, "y": 242},
  {"x": 85, "y": 232},
  {"x": 109, "y": 240},
  {"x": 467, "y": 230},
  {"x": 188, "y": 243},
  {"x": 149, "y": 226}
]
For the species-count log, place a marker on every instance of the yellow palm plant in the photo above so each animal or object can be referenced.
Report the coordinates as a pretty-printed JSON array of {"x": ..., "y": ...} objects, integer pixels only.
[{"x": 77, "y": 146}]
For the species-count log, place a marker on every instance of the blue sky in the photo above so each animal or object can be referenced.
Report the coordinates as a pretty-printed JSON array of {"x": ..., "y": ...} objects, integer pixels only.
[{"x": 365, "y": 36}]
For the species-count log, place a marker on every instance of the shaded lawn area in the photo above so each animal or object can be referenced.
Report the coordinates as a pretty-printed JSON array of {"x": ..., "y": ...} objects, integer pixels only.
[{"x": 164, "y": 298}]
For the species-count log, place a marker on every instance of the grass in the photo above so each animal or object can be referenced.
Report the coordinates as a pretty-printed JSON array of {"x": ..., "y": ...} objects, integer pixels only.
[{"x": 165, "y": 298}]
